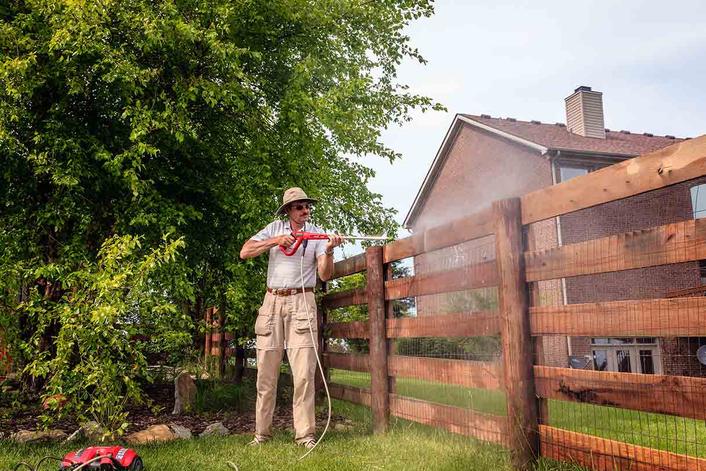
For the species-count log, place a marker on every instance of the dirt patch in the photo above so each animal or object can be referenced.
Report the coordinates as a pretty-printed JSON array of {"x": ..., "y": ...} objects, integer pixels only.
[{"x": 12, "y": 420}]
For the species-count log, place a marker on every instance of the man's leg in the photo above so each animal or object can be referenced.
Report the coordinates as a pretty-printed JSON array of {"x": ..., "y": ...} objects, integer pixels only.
[
  {"x": 303, "y": 363},
  {"x": 267, "y": 375}
]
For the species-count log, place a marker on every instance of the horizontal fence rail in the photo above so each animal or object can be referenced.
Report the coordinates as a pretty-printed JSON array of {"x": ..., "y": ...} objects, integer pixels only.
[
  {"x": 351, "y": 297},
  {"x": 683, "y": 241},
  {"x": 610, "y": 455},
  {"x": 349, "y": 266},
  {"x": 445, "y": 325},
  {"x": 468, "y": 373},
  {"x": 486, "y": 427},
  {"x": 462, "y": 230},
  {"x": 673, "y": 395},
  {"x": 347, "y": 361},
  {"x": 474, "y": 276},
  {"x": 348, "y": 330},
  {"x": 684, "y": 317},
  {"x": 350, "y": 393}
]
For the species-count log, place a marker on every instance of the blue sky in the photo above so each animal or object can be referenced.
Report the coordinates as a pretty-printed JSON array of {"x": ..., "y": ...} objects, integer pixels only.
[{"x": 520, "y": 59}]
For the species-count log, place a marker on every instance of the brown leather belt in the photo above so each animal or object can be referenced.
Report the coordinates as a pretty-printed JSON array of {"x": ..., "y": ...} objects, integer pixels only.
[{"x": 288, "y": 291}]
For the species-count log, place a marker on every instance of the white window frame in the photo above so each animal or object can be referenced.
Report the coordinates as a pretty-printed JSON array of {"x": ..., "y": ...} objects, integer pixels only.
[
  {"x": 634, "y": 348},
  {"x": 696, "y": 191}
]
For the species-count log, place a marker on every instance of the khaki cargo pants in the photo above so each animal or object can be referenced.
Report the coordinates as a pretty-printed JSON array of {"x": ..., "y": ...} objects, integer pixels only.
[{"x": 282, "y": 323}]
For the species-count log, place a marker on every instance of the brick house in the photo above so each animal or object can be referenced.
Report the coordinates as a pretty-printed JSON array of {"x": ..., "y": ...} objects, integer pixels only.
[{"x": 483, "y": 159}]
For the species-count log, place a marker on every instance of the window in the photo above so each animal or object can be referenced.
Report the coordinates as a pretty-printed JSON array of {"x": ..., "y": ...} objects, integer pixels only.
[
  {"x": 567, "y": 173},
  {"x": 626, "y": 354},
  {"x": 698, "y": 209},
  {"x": 698, "y": 201}
]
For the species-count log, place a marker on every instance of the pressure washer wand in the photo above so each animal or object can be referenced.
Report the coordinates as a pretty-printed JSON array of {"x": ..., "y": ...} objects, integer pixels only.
[
  {"x": 304, "y": 236},
  {"x": 347, "y": 237}
]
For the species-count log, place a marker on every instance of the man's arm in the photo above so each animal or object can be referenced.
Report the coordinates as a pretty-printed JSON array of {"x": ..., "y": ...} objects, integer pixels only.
[
  {"x": 325, "y": 265},
  {"x": 324, "y": 262},
  {"x": 253, "y": 248}
]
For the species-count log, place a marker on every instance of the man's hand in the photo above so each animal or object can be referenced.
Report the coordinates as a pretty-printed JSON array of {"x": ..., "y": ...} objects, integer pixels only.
[
  {"x": 253, "y": 248},
  {"x": 285, "y": 240},
  {"x": 334, "y": 241}
]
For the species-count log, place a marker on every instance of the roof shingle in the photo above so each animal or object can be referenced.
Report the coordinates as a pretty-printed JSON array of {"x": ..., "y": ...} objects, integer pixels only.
[{"x": 555, "y": 136}]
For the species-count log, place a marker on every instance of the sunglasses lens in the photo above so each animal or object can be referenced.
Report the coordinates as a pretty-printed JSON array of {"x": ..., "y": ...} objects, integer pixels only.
[{"x": 299, "y": 207}]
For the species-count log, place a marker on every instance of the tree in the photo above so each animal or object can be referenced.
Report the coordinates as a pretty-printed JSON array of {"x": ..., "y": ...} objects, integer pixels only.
[{"x": 137, "y": 118}]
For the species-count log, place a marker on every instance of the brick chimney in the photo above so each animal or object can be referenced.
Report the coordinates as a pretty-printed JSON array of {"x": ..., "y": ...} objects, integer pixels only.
[{"x": 584, "y": 113}]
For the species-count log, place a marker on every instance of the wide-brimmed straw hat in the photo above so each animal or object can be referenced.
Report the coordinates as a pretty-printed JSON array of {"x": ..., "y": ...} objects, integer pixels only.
[{"x": 290, "y": 196}]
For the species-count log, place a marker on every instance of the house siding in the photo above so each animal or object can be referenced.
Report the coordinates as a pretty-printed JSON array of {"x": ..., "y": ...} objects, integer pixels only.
[{"x": 480, "y": 168}]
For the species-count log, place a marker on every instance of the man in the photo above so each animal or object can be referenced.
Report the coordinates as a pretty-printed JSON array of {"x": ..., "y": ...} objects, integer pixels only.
[{"x": 285, "y": 316}]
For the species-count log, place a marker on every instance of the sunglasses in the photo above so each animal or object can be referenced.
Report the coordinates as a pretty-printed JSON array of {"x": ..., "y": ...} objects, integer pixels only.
[{"x": 300, "y": 207}]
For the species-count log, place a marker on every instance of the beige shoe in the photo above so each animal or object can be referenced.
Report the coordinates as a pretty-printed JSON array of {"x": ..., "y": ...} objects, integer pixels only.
[
  {"x": 256, "y": 441},
  {"x": 309, "y": 443}
]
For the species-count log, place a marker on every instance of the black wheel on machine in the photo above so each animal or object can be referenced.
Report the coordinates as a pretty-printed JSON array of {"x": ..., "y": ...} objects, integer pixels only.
[{"x": 136, "y": 465}]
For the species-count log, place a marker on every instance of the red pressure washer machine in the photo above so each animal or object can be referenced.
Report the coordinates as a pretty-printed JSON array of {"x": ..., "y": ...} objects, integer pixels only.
[{"x": 103, "y": 458}]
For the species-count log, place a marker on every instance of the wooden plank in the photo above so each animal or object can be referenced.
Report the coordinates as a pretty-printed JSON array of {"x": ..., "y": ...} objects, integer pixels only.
[
  {"x": 351, "y": 362},
  {"x": 349, "y": 297},
  {"x": 460, "y": 324},
  {"x": 349, "y": 266},
  {"x": 471, "y": 374},
  {"x": 348, "y": 330},
  {"x": 674, "y": 317},
  {"x": 678, "y": 242},
  {"x": 673, "y": 395},
  {"x": 391, "y": 344},
  {"x": 321, "y": 342},
  {"x": 350, "y": 393},
  {"x": 481, "y": 275},
  {"x": 491, "y": 428},
  {"x": 379, "y": 386},
  {"x": 686, "y": 292},
  {"x": 404, "y": 248},
  {"x": 677, "y": 163},
  {"x": 609, "y": 455},
  {"x": 477, "y": 225},
  {"x": 515, "y": 335}
]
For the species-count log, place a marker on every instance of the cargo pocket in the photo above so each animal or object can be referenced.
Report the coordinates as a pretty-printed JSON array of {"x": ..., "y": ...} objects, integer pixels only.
[
  {"x": 263, "y": 324},
  {"x": 301, "y": 324}
]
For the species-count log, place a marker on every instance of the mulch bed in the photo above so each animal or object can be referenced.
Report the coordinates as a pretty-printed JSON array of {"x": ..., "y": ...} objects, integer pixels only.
[{"x": 142, "y": 417}]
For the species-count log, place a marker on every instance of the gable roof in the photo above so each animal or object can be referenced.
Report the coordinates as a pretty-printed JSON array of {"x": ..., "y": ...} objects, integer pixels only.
[
  {"x": 543, "y": 138},
  {"x": 556, "y": 137}
]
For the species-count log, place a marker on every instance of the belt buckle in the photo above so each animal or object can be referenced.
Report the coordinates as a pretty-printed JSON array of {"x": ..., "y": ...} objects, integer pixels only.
[{"x": 292, "y": 291}]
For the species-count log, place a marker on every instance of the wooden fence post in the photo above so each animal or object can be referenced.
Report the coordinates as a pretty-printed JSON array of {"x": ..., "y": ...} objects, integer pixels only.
[
  {"x": 391, "y": 345},
  {"x": 515, "y": 335},
  {"x": 321, "y": 344},
  {"x": 207, "y": 338},
  {"x": 379, "y": 387}
]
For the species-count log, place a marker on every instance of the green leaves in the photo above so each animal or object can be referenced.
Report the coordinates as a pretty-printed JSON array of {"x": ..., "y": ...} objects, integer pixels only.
[{"x": 96, "y": 362}]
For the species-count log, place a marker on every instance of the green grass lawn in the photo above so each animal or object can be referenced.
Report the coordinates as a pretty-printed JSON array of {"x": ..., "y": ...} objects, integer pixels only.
[
  {"x": 664, "y": 432},
  {"x": 407, "y": 446}
]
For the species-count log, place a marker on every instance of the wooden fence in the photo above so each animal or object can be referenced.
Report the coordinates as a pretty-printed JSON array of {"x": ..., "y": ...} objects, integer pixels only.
[{"x": 527, "y": 384}]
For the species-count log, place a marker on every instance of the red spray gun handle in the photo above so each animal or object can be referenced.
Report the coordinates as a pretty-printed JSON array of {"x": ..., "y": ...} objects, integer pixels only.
[{"x": 301, "y": 237}]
